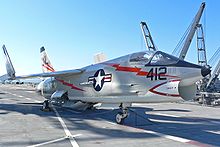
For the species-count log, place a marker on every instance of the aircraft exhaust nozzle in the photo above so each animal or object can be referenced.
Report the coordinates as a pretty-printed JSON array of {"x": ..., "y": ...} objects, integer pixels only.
[{"x": 205, "y": 70}]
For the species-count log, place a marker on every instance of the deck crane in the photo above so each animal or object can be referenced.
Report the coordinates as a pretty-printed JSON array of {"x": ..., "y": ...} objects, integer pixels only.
[
  {"x": 215, "y": 73},
  {"x": 147, "y": 36},
  {"x": 191, "y": 33},
  {"x": 214, "y": 57},
  {"x": 202, "y": 60},
  {"x": 209, "y": 87}
]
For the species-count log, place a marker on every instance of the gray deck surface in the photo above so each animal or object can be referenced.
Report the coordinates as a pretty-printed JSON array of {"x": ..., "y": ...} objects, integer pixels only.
[{"x": 22, "y": 123}]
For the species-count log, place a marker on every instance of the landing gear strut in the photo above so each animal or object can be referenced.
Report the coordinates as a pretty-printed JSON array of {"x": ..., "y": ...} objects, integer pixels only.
[
  {"x": 46, "y": 106},
  {"x": 121, "y": 115}
]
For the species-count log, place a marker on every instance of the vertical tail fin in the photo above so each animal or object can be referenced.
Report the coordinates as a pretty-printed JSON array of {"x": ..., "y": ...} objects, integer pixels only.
[
  {"x": 9, "y": 67},
  {"x": 46, "y": 64}
]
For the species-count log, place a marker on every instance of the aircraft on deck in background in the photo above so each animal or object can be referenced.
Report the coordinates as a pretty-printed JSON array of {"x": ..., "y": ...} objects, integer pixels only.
[
  {"x": 4, "y": 78},
  {"x": 142, "y": 77}
]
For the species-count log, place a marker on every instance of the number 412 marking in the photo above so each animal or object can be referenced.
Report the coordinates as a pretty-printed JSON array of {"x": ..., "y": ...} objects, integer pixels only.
[{"x": 157, "y": 73}]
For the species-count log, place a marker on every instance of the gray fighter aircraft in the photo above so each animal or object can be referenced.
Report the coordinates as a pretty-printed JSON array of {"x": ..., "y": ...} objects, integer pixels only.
[{"x": 142, "y": 77}]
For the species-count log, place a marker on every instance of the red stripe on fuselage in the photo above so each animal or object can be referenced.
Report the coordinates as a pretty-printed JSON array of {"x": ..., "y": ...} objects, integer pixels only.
[
  {"x": 124, "y": 68},
  {"x": 69, "y": 85},
  {"x": 137, "y": 70},
  {"x": 47, "y": 66}
]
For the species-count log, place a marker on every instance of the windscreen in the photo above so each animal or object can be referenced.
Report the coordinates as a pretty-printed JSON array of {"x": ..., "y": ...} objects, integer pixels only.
[
  {"x": 161, "y": 58},
  {"x": 141, "y": 56}
]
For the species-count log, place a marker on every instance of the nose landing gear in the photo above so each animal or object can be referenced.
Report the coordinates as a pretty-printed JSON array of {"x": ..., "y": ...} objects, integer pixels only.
[{"x": 120, "y": 117}]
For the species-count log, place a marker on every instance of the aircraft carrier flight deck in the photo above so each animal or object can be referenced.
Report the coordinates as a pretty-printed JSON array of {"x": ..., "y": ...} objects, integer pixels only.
[{"x": 23, "y": 123}]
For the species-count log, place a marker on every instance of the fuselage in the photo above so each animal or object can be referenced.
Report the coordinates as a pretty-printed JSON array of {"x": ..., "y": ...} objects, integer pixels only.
[{"x": 139, "y": 77}]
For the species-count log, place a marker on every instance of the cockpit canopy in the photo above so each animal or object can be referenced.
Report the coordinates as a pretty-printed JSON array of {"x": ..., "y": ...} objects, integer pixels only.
[
  {"x": 154, "y": 58},
  {"x": 141, "y": 56},
  {"x": 161, "y": 58}
]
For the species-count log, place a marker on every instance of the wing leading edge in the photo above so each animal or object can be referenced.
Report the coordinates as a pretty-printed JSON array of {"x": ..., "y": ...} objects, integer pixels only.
[{"x": 53, "y": 74}]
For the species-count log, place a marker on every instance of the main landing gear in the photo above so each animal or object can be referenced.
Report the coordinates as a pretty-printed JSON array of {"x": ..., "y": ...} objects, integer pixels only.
[
  {"x": 46, "y": 106},
  {"x": 120, "y": 117}
]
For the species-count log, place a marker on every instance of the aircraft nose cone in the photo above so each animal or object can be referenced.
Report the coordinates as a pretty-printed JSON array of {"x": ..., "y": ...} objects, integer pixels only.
[{"x": 205, "y": 70}]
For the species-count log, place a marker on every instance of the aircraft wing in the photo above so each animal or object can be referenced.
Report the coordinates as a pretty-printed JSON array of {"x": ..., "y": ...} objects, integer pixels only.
[
  {"x": 53, "y": 74},
  {"x": 11, "y": 71}
]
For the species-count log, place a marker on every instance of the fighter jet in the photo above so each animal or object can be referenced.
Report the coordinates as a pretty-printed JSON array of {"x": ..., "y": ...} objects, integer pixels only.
[{"x": 142, "y": 77}]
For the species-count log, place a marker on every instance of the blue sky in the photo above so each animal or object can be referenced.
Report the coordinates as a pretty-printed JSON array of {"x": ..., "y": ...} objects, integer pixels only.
[{"x": 72, "y": 31}]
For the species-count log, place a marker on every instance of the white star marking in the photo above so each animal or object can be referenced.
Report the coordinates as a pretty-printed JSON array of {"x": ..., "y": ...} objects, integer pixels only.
[{"x": 99, "y": 79}]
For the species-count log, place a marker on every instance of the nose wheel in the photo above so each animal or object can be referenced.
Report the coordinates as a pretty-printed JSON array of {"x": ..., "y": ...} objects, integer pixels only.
[{"x": 120, "y": 117}]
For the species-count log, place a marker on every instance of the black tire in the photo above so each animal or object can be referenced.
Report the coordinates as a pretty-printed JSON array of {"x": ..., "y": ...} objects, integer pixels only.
[
  {"x": 119, "y": 119},
  {"x": 45, "y": 105}
]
